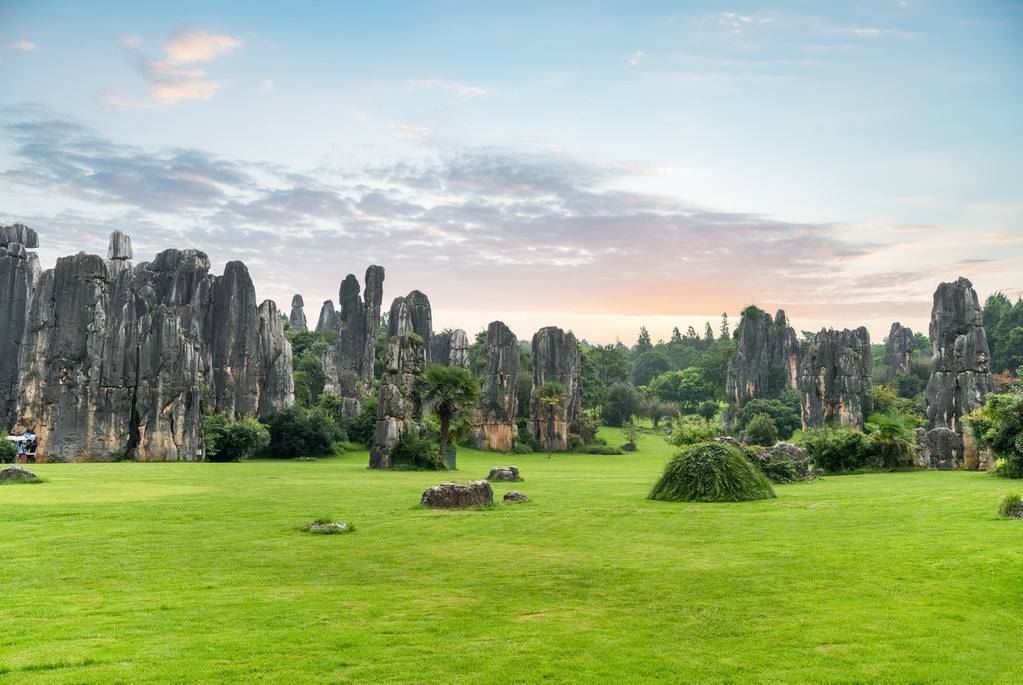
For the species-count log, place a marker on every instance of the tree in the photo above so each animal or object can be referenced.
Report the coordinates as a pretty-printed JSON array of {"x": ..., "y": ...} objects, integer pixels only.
[
  {"x": 893, "y": 438},
  {"x": 725, "y": 333},
  {"x": 452, "y": 390},
  {"x": 999, "y": 425},
  {"x": 708, "y": 333},
  {"x": 1003, "y": 323},
  {"x": 760, "y": 431},
  {"x": 783, "y": 411},
  {"x": 687, "y": 387},
  {"x": 657, "y": 409},
  {"x": 691, "y": 334},
  {"x": 602, "y": 367},
  {"x": 643, "y": 343},
  {"x": 228, "y": 440},
  {"x": 708, "y": 410},
  {"x": 649, "y": 365},
  {"x": 622, "y": 403},
  {"x": 302, "y": 432},
  {"x": 676, "y": 336}
]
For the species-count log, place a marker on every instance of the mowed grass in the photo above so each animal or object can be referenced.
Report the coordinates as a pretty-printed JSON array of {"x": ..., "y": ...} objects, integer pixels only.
[{"x": 197, "y": 573}]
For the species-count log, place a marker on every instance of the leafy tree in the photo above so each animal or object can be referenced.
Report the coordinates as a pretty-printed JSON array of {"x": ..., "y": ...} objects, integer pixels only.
[
  {"x": 838, "y": 449},
  {"x": 302, "y": 432},
  {"x": 477, "y": 363},
  {"x": 676, "y": 336},
  {"x": 648, "y": 366},
  {"x": 643, "y": 343},
  {"x": 8, "y": 452},
  {"x": 708, "y": 333},
  {"x": 691, "y": 334},
  {"x": 452, "y": 390},
  {"x": 687, "y": 387},
  {"x": 622, "y": 403},
  {"x": 784, "y": 411},
  {"x": 760, "y": 430},
  {"x": 999, "y": 425},
  {"x": 360, "y": 428},
  {"x": 688, "y": 431},
  {"x": 1003, "y": 323},
  {"x": 601, "y": 367},
  {"x": 708, "y": 410},
  {"x": 228, "y": 440},
  {"x": 893, "y": 438},
  {"x": 657, "y": 409},
  {"x": 909, "y": 385},
  {"x": 725, "y": 332}
]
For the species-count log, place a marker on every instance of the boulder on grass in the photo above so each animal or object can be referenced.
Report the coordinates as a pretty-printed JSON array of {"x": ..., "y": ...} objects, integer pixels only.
[
  {"x": 514, "y": 497},
  {"x": 16, "y": 474},
  {"x": 476, "y": 493},
  {"x": 505, "y": 474}
]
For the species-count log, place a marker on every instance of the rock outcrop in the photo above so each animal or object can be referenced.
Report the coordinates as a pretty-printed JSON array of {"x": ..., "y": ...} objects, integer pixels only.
[
  {"x": 938, "y": 448},
  {"x": 514, "y": 497},
  {"x": 19, "y": 233},
  {"x": 400, "y": 406},
  {"x": 19, "y": 270},
  {"x": 329, "y": 319},
  {"x": 766, "y": 358},
  {"x": 835, "y": 379},
  {"x": 16, "y": 474},
  {"x": 121, "y": 360},
  {"x": 476, "y": 493},
  {"x": 506, "y": 474},
  {"x": 898, "y": 351},
  {"x": 555, "y": 360},
  {"x": 494, "y": 427},
  {"x": 451, "y": 348},
  {"x": 416, "y": 317},
  {"x": 348, "y": 366},
  {"x": 960, "y": 374},
  {"x": 297, "y": 317}
]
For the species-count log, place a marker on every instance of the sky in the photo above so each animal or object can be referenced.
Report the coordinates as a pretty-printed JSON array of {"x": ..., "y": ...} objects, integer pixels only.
[{"x": 598, "y": 166}]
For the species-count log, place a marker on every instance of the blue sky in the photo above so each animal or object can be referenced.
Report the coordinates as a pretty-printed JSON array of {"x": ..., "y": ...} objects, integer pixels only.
[{"x": 593, "y": 165}]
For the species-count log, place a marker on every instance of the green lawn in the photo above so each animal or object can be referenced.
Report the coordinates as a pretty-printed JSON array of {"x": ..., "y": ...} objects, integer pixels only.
[{"x": 195, "y": 573}]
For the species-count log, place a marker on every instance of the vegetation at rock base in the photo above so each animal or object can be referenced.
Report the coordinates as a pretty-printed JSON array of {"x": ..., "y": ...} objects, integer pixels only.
[
  {"x": 8, "y": 452},
  {"x": 999, "y": 425},
  {"x": 711, "y": 472}
]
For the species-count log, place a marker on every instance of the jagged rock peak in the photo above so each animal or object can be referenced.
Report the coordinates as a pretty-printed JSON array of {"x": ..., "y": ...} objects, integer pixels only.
[
  {"x": 898, "y": 351},
  {"x": 297, "y": 301},
  {"x": 835, "y": 379},
  {"x": 19, "y": 233},
  {"x": 119, "y": 247},
  {"x": 297, "y": 318},
  {"x": 960, "y": 373},
  {"x": 555, "y": 360},
  {"x": 494, "y": 427},
  {"x": 766, "y": 357},
  {"x": 328, "y": 319}
]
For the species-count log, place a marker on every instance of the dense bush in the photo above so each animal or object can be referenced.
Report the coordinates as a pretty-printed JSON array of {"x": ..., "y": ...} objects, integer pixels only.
[
  {"x": 599, "y": 449},
  {"x": 784, "y": 411},
  {"x": 228, "y": 440},
  {"x": 620, "y": 405},
  {"x": 583, "y": 430},
  {"x": 360, "y": 428},
  {"x": 760, "y": 430},
  {"x": 711, "y": 472},
  {"x": 886, "y": 401},
  {"x": 839, "y": 449},
  {"x": 892, "y": 439},
  {"x": 302, "y": 432},
  {"x": 648, "y": 366},
  {"x": 999, "y": 425},
  {"x": 1011, "y": 506},
  {"x": 417, "y": 451},
  {"x": 688, "y": 387},
  {"x": 8, "y": 452},
  {"x": 909, "y": 385},
  {"x": 689, "y": 431},
  {"x": 782, "y": 463}
]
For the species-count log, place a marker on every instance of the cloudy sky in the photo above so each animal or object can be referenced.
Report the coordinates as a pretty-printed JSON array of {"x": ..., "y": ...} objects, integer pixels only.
[{"x": 593, "y": 165}]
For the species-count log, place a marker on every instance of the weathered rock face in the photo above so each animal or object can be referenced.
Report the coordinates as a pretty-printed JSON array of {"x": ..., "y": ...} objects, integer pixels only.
[
  {"x": 16, "y": 474},
  {"x": 348, "y": 367},
  {"x": 412, "y": 314},
  {"x": 555, "y": 360},
  {"x": 19, "y": 233},
  {"x": 450, "y": 348},
  {"x": 834, "y": 379},
  {"x": 938, "y": 448},
  {"x": 898, "y": 350},
  {"x": 122, "y": 359},
  {"x": 506, "y": 474},
  {"x": 476, "y": 493},
  {"x": 514, "y": 497},
  {"x": 400, "y": 407},
  {"x": 17, "y": 279},
  {"x": 960, "y": 375},
  {"x": 119, "y": 247},
  {"x": 494, "y": 428},
  {"x": 766, "y": 357},
  {"x": 297, "y": 318},
  {"x": 329, "y": 319}
]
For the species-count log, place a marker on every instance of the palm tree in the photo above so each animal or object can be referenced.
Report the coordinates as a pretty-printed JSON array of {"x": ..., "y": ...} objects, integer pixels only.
[{"x": 451, "y": 389}]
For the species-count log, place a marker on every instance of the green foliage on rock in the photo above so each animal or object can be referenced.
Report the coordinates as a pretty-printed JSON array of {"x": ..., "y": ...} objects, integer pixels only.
[
  {"x": 417, "y": 451},
  {"x": 999, "y": 425},
  {"x": 711, "y": 472}
]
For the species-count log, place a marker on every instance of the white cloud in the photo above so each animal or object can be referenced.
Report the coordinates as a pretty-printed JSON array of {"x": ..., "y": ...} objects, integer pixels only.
[
  {"x": 411, "y": 131},
  {"x": 873, "y": 32},
  {"x": 199, "y": 46},
  {"x": 460, "y": 90},
  {"x": 635, "y": 58},
  {"x": 24, "y": 46}
]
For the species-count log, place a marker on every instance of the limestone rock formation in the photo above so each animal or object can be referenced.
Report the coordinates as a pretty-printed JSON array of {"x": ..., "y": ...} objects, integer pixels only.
[
  {"x": 555, "y": 360},
  {"x": 19, "y": 233},
  {"x": 507, "y": 474},
  {"x": 898, "y": 350},
  {"x": 960, "y": 375},
  {"x": 412, "y": 314},
  {"x": 297, "y": 317},
  {"x": 400, "y": 406},
  {"x": 348, "y": 366},
  {"x": 938, "y": 448},
  {"x": 766, "y": 357},
  {"x": 476, "y": 493},
  {"x": 16, "y": 474},
  {"x": 450, "y": 348},
  {"x": 329, "y": 319},
  {"x": 119, "y": 248},
  {"x": 835, "y": 379},
  {"x": 18, "y": 273},
  {"x": 121, "y": 359},
  {"x": 494, "y": 427},
  {"x": 514, "y": 497}
]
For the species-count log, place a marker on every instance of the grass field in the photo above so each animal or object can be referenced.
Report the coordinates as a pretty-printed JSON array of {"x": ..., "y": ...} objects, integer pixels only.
[{"x": 196, "y": 573}]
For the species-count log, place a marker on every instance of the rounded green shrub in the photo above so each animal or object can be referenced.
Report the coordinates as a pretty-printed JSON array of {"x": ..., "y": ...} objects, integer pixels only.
[
  {"x": 8, "y": 452},
  {"x": 1011, "y": 506},
  {"x": 711, "y": 472}
]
